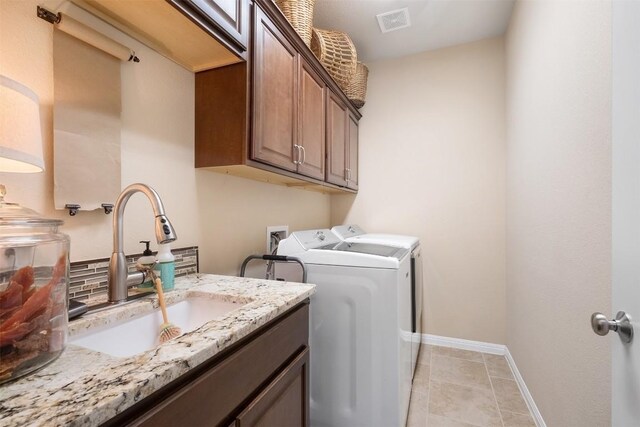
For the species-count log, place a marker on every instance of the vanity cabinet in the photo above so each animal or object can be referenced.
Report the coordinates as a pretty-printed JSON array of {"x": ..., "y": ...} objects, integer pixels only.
[
  {"x": 266, "y": 119},
  {"x": 262, "y": 380}
]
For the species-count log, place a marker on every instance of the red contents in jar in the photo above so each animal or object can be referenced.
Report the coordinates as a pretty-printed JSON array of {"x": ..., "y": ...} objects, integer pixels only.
[{"x": 25, "y": 315}]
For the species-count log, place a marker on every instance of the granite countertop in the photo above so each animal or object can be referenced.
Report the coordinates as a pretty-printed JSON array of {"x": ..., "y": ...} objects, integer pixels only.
[{"x": 84, "y": 387}]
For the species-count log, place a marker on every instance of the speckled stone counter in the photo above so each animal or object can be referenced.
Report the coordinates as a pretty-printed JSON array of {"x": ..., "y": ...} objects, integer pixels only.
[{"x": 85, "y": 388}]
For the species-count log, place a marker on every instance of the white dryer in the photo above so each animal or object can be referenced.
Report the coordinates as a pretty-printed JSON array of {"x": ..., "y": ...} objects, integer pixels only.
[
  {"x": 355, "y": 234},
  {"x": 360, "y": 317}
]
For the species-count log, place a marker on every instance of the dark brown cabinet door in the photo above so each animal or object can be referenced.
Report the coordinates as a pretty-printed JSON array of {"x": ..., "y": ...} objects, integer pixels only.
[
  {"x": 274, "y": 95},
  {"x": 352, "y": 144},
  {"x": 284, "y": 401},
  {"x": 336, "y": 140},
  {"x": 311, "y": 124},
  {"x": 231, "y": 16}
]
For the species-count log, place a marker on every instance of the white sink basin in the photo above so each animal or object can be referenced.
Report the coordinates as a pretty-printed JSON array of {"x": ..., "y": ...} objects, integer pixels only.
[{"x": 140, "y": 334}]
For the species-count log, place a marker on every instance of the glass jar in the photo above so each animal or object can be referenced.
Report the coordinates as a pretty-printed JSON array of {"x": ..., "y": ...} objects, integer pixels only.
[{"x": 34, "y": 277}]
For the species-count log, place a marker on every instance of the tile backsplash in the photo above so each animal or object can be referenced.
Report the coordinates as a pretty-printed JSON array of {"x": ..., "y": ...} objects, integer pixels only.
[{"x": 89, "y": 278}]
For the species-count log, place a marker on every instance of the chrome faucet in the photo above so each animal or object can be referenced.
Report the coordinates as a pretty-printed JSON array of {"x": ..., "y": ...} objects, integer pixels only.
[{"x": 119, "y": 276}]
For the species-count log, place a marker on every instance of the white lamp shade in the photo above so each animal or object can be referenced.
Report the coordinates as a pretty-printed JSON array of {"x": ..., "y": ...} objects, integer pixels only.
[{"x": 20, "y": 133}]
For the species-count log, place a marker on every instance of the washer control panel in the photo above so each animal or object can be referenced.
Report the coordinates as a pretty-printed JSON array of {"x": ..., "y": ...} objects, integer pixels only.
[{"x": 313, "y": 239}]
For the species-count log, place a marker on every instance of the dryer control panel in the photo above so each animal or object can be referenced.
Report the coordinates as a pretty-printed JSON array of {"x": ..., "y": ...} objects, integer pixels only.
[{"x": 347, "y": 230}]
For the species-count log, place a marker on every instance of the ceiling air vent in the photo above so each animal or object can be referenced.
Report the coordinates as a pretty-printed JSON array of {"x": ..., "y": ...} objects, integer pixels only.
[{"x": 394, "y": 20}]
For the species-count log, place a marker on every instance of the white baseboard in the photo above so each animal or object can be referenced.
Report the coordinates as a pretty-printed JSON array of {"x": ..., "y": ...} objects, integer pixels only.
[
  {"x": 533, "y": 408},
  {"x": 490, "y": 348},
  {"x": 484, "y": 347}
]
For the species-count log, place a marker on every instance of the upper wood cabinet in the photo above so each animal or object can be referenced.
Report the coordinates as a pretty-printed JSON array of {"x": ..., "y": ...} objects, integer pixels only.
[
  {"x": 279, "y": 117},
  {"x": 311, "y": 122},
  {"x": 288, "y": 104},
  {"x": 342, "y": 144},
  {"x": 274, "y": 96},
  {"x": 231, "y": 17},
  {"x": 336, "y": 141}
]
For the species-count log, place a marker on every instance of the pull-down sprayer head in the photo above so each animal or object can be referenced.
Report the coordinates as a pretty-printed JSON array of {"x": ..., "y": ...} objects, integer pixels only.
[{"x": 164, "y": 230}]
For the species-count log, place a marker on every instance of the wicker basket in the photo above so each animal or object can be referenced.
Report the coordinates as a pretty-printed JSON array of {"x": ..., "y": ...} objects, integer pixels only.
[
  {"x": 336, "y": 52},
  {"x": 357, "y": 89},
  {"x": 299, "y": 13}
]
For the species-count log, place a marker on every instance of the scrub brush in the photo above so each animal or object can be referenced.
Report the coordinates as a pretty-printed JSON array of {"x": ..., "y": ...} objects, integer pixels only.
[{"x": 167, "y": 330}]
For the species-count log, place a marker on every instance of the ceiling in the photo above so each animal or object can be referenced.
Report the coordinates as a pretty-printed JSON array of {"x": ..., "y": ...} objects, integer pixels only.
[{"x": 434, "y": 24}]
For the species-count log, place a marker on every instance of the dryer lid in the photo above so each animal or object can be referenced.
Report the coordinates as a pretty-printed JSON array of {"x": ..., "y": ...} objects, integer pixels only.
[
  {"x": 408, "y": 242},
  {"x": 353, "y": 233},
  {"x": 368, "y": 249}
]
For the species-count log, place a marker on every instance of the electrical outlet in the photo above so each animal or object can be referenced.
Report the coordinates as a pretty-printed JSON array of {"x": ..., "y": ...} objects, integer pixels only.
[{"x": 275, "y": 233}]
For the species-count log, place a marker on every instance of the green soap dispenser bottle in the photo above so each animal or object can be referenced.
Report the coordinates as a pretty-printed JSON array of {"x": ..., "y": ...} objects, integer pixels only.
[
  {"x": 147, "y": 259},
  {"x": 166, "y": 266}
]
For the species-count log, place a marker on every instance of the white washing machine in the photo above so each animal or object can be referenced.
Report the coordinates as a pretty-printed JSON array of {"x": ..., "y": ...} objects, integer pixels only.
[
  {"x": 353, "y": 233},
  {"x": 360, "y": 318}
]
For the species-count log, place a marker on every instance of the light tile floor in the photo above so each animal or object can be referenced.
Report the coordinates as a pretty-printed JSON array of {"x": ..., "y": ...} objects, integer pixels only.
[{"x": 460, "y": 388}]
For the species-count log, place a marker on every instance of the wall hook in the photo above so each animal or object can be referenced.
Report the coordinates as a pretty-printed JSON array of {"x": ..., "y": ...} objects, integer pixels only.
[
  {"x": 108, "y": 208},
  {"x": 73, "y": 209}
]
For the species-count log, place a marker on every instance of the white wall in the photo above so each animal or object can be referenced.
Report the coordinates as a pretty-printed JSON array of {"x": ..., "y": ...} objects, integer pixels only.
[
  {"x": 432, "y": 164},
  {"x": 225, "y": 216},
  {"x": 559, "y": 205}
]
